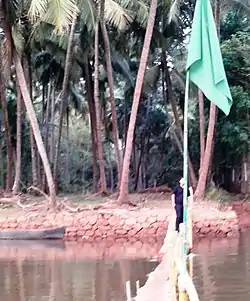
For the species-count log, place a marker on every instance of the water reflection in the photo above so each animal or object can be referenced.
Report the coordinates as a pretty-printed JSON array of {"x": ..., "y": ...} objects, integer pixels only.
[
  {"x": 222, "y": 271},
  {"x": 38, "y": 280}
]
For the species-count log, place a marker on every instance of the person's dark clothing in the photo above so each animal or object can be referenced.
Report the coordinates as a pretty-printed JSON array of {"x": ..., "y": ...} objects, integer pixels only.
[
  {"x": 178, "y": 192},
  {"x": 179, "y": 217}
]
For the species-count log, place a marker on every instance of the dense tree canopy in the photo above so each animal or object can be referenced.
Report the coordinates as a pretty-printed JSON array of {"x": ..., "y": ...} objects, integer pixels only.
[{"x": 80, "y": 62}]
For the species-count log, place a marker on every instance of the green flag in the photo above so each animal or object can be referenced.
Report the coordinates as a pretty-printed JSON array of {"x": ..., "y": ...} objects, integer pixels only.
[{"x": 204, "y": 63}]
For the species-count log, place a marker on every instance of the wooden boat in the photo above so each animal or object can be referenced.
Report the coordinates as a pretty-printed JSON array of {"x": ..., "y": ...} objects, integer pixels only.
[
  {"x": 41, "y": 244},
  {"x": 28, "y": 234}
]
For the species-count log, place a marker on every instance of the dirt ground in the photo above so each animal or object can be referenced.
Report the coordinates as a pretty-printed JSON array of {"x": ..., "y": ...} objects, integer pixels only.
[
  {"x": 147, "y": 200},
  {"x": 10, "y": 206},
  {"x": 142, "y": 199},
  {"x": 156, "y": 201}
]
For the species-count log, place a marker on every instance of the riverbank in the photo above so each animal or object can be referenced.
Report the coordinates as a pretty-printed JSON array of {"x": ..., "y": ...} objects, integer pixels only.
[
  {"x": 125, "y": 223},
  {"x": 105, "y": 249},
  {"x": 242, "y": 210},
  {"x": 71, "y": 250}
]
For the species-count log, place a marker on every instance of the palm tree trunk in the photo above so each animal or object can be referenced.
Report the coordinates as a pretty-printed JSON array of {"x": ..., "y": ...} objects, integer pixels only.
[
  {"x": 202, "y": 125},
  {"x": 92, "y": 113},
  {"x": 124, "y": 189},
  {"x": 111, "y": 173},
  {"x": 68, "y": 65},
  {"x": 34, "y": 123},
  {"x": 134, "y": 158},
  {"x": 47, "y": 129},
  {"x": 14, "y": 156},
  {"x": 52, "y": 122},
  {"x": 217, "y": 10},
  {"x": 1, "y": 160},
  {"x": 125, "y": 122},
  {"x": 145, "y": 161},
  {"x": 202, "y": 183},
  {"x": 67, "y": 176},
  {"x": 176, "y": 116},
  {"x": 164, "y": 95},
  {"x": 98, "y": 107},
  {"x": 201, "y": 187},
  {"x": 47, "y": 117},
  {"x": 4, "y": 15},
  {"x": 107, "y": 53},
  {"x": 16, "y": 186},
  {"x": 34, "y": 157},
  {"x": 137, "y": 174},
  {"x": 40, "y": 171},
  {"x": 6, "y": 129}
]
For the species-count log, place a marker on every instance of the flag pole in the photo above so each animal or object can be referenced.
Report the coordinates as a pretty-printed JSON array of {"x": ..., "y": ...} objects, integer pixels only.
[{"x": 185, "y": 167}]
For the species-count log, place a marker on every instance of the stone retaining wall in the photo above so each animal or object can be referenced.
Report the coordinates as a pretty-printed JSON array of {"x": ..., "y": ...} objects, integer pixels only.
[
  {"x": 216, "y": 228},
  {"x": 123, "y": 224},
  {"x": 243, "y": 212},
  {"x": 72, "y": 250}
]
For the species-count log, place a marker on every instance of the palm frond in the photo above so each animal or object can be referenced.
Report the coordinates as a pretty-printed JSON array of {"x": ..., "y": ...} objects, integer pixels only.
[
  {"x": 243, "y": 3},
  {"x": 39, "y": 32},
  {"x": 18, "y": 38},
  {"x": 178, "y": 79},
  {"x": 240, "y": 5},
  {"x": 121, "y": 66},
  {"x": 5, "y": 55},
  {"x": 60, "y": 40},
  {"x": 174, "y": 10},
  {"x": 37, "y": 9},
  {"x": 119, "y": 93},
  {"x": 57, "y": 52},
  {"x": 88, "y": 13},
  {"x": 15, "y": 9},
  {"x": 56, "y": 12},
  {"x": 76, "y": 98},
  {"x": 151, "y": 77},
  {"x": 118, "y": 15},
  {"x": 142, "y": 13},
  {"x": 42, "y": 59},
  {"x": 76, "y": 72}
]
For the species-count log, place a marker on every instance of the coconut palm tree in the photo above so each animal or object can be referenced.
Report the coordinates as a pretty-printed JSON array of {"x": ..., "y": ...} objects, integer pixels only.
[
  {"x": 123, "y": 194},
  {"x": 16, "y": 186},
  {"x": 120, "y": 16},
  {"x": 59, "y": 13},
  {"x": 6, "y": 126},
  {"x": 68, "y": 65},
  {"x": 209, "y": 148},
  {"x": 107, "y": 52},
  {"x": 6, "y": 10},
  {"x": 117, "y": 14},
  {"x": 103, "y": 184}
]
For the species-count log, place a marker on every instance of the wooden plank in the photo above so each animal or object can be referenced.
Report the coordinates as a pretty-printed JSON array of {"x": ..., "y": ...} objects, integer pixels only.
[
  {"x": 32, "y": 234},
  {"x": 161, "y": 284}
]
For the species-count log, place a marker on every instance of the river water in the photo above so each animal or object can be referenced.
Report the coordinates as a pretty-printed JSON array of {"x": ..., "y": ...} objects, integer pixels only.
[{"x": 221, "y": 272}]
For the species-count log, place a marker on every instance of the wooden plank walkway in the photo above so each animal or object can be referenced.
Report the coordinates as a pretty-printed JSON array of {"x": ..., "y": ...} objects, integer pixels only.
[
  {"x": 170, "y": 273},
  {"x": 157, "y": 287}
]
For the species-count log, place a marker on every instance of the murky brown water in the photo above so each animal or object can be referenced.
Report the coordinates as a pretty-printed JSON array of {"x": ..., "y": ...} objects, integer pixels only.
[
  {"x": 221, "y": 273},
  {"x": 38, "y": 280}
]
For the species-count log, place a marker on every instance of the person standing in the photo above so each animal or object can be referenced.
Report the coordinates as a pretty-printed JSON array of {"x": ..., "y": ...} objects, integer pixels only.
[{"x": 177, "y": 202}]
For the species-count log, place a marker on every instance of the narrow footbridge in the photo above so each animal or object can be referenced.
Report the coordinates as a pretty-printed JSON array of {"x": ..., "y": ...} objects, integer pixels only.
[{"x": 172, "y": 278}]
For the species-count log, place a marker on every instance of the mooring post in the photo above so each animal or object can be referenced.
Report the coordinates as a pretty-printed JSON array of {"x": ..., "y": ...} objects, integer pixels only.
[
  {"x": 128, "y": 291},
  {"x": 181, "y": 288},
  {"x": 190, "y": 222}
]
